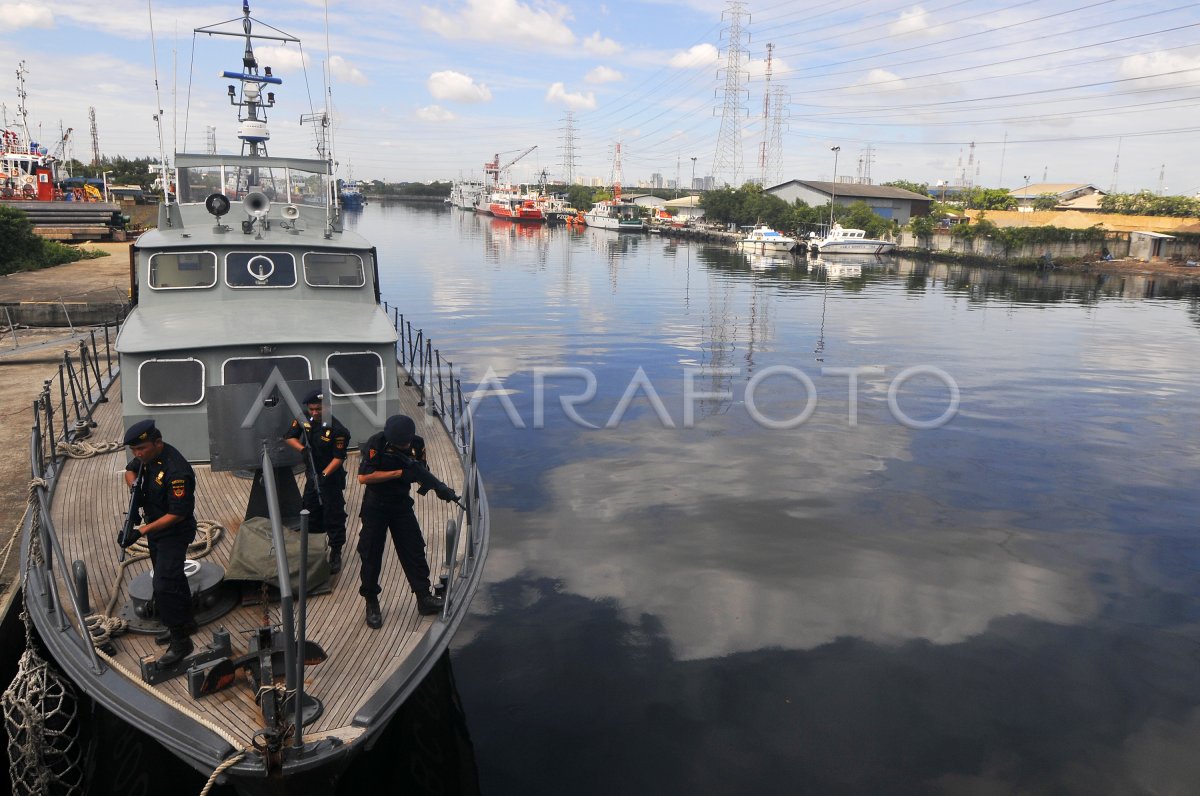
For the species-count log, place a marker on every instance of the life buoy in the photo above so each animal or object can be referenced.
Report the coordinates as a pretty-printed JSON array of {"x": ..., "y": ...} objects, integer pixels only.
[{"x": 29, "y": 179}]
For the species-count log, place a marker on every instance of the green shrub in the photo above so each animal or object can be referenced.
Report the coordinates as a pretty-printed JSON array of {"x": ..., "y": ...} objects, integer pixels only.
[{"x": 22, "y": 250}]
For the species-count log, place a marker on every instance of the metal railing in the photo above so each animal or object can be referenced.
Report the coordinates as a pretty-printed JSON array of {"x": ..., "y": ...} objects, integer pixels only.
[
  {"x": 440, "y": 394},
  {"x": 80, "y": 384}
]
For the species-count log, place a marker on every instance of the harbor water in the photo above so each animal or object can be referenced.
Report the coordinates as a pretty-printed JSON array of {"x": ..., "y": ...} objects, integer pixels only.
[
  {"x": 785, "y": 526},
  {"x": 865, "y": 526}
]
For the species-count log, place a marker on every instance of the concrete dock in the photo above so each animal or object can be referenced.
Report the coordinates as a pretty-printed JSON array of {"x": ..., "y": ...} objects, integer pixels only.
[{"x": 42, "y": 305}]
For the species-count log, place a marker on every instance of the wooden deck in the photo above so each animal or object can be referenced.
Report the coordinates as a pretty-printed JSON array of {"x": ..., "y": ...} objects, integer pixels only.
[{"x": 88, "y": 511}]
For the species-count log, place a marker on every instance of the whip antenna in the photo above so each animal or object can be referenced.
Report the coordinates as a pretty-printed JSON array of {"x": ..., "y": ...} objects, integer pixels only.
[{"x": 162, "y": 150}]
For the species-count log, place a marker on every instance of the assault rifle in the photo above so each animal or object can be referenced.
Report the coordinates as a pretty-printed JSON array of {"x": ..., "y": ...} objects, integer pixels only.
[
  {"x": 427, "y": 481},
  {"x": 313, "y": 473},
  {"x": 129, "y": 533}
]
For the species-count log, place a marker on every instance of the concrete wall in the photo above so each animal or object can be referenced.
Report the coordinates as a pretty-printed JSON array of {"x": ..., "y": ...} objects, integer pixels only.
[
  {"x": 943, "y": 241},
  {"x": 57, "y": 313}
]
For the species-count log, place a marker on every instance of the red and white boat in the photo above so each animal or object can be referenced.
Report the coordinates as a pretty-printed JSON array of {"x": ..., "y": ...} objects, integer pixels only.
[{"x": 516, "y": 207}]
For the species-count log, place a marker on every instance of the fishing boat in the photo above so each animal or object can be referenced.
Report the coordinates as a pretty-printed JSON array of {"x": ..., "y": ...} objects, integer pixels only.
[
  {"x": 764, "y": 240},
  {"x": 842, "y": 240},
  {"x": 351, "y": 195},
  {"x": 232, "y": 298}
]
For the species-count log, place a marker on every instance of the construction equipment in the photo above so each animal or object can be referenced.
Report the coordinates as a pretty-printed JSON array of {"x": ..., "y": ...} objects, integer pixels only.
[{"x": 495, "y": 169}]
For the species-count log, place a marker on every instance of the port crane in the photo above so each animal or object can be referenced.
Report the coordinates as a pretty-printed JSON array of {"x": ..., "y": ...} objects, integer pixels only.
[{"x": 494, "y": 169}]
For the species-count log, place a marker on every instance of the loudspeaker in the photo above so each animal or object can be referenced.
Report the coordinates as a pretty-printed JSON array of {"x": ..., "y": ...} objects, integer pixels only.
[
  {"x": 217, "y": 204},
  {"x": 257, "y": 204},
  {"x": 290, "y": 212}
]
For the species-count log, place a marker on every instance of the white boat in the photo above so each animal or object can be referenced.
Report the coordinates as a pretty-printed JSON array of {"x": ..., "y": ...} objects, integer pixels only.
[
  {"x": 842, "y": 240},
  {"x": 464, "y": 194},
  {"x": 762, "y": 240},
  {"x": 621, "y": 216}
]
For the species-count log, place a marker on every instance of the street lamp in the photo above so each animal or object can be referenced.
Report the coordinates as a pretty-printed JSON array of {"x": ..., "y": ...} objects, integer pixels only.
[
  {"x": 104, "y": 177},
  {"x": 833, "y": 191}
]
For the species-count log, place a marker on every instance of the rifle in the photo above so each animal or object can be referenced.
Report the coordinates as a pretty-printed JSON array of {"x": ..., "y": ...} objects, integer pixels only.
[
  {"x": 427, "y": 480},
  {"x": 306, "y": 425},
  {"x": 129, "y": 533}
]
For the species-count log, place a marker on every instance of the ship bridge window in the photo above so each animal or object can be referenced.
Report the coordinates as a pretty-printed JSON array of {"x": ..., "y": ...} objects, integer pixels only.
[
  {"x": 333, "y": 269},
  {"x": 360, "y": 373},
  {"x": 171, "y": 382},
  {"x": 179, "y": 270},
  {"x": 260, "y": 269},
  {"x": 258, "y": 370}
]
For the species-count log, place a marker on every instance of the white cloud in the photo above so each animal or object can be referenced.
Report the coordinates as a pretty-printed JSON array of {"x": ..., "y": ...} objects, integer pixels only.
[
  {"x": 346, "y": 72},
  {"x": 879, "y": 80},
  {"x": 598, "y": 45},
  {"x": 578, "y": 101},
  {"x": 603, "y": 74},
  {"x": 501, "y": 21},
  {"x": 434, "y": 113},
  {"x": 281, "y": 59},
  {"x": 1158, "y": 63},
  {"x": 757, "y": 68},
  {"x": 696, "y": 57},
  {"x": 915, "y": 20},
  {"x": 456, "y": 86},
  {"x": 26, "y": 15}
]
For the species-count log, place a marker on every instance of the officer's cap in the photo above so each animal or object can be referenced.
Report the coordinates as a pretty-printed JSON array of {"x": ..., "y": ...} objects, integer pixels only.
[
  {"x": 142, "y": 431},
  {"x": 399, "y": 430},
  {"x": 314, "y": 397}
]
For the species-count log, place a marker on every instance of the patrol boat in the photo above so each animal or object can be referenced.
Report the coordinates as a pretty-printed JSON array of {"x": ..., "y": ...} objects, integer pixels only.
[{"x": 249, "y": 294}]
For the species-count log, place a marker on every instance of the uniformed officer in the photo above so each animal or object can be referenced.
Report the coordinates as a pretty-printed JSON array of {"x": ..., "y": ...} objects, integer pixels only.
[
  {"x": 324, "y": 494},
  {"x": 166, "y": 489},
  {"x": 393, "y": 461}
]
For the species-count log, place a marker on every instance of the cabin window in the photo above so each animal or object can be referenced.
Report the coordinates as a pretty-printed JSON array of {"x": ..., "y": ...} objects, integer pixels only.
[
  {"x": 355, "y": 374},
  {"x": 333, "y": 269},
  {"x": 171, "y": 382},
  {"x": 176, "y": 270},
  {"x": 258, "y": 370},
  {"x": 260, "y": 269}
]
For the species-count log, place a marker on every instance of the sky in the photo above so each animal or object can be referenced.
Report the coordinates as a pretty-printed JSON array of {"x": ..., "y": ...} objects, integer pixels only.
[{"x": 1064, "y": 91}]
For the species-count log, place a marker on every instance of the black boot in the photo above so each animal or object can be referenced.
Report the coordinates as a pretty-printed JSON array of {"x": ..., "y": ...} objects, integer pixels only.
[
  {"x": 180, "y": 648},
  {"x": 335, "y": 560},
  {"x": 429, "y": 604},
  {"x": 374, "y": 615}
]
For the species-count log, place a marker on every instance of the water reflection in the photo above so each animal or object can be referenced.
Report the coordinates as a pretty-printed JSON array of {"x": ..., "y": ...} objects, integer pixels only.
[{"x": 848, "y": 603}]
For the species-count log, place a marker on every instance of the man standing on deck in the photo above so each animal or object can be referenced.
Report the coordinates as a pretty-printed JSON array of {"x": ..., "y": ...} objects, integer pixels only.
[
  {"x": 166, "y": 487},
  {"x": 324, "y": 490},
  {"x": 393, "y": 461}
]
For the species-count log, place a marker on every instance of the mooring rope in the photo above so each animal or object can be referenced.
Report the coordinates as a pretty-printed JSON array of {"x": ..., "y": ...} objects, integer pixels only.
[{"x": 86, "y": 450}]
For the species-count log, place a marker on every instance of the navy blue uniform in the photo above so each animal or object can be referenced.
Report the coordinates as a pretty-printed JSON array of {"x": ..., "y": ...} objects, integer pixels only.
[
  {"x": 169, "y": 487},
  {"x": 328, "y": 441},
  {"x": 388, "y": 506}
]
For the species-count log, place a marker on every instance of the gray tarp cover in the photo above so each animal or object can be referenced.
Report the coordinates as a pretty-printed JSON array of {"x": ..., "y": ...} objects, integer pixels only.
[{"x": 253, "y": 556}]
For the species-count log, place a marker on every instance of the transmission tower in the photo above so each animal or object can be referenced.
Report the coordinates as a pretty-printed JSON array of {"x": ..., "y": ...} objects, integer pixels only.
[
  {"x": 210, "y": 137},
  {"x": 1162, "y": 174},
  {"x": 775, "y": 149},
  {"x": 727, "y": 162},
  {"x": 568, "y": 149},
  {"x": 95, "y": 138},
  {"x": 764, "y": 161}
]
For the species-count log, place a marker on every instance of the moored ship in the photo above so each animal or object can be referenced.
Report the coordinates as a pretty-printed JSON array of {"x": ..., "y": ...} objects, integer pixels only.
[{"x": 287, "y": 683}]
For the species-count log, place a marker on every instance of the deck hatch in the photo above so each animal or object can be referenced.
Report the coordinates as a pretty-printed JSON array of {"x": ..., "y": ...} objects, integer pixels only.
[
  {"x": 358, "y": 373},
  {"x": 171, "y": 382}
]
